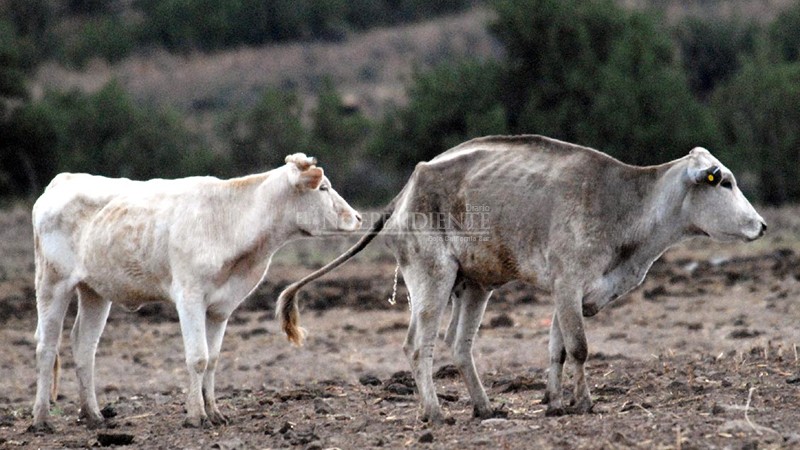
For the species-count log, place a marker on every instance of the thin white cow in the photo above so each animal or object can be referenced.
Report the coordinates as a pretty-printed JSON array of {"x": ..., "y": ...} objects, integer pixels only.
[
  {"x": 201, "y": 243},
  {"x": 567, "y": 219}
]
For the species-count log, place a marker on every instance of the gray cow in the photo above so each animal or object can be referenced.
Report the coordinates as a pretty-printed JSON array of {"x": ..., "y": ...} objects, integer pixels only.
[{"x": 567, "y": 219}]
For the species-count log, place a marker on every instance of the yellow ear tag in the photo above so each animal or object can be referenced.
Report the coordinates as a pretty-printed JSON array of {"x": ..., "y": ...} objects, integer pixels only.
[{"x": 710, "y": 178}]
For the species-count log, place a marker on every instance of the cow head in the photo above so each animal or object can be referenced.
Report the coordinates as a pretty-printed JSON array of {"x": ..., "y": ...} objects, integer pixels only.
[
  {"x": 714, "y": 204},
  {"x": 319, "y": 209}
]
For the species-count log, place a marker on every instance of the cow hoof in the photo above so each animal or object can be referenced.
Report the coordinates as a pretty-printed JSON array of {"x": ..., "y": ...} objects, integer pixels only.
[
  {"x": 44, "y": 427},
  {"x": 217, "y": 418},
  {"x": 196, "y": 422},
  {"x": 483, "y": 413},
  {"x": 497, "y": 413},
  {"x": 433, "y": 418},
  {"x": 91, "y": 421},
  {"x": 582, "y": 407},
  {"x": 554, "y": 412}
]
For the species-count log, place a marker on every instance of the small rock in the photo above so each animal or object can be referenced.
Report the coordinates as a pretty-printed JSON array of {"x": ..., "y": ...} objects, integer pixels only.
[
  {"x": 230, "y": 444},
  {"x": 316, "y": 445},
  {"x": 109, "y": 439},
  {"x": 399, "y": 389},
  {"x": 369, "y": 380},
  {"x": 286, "y": 427},
  {"x": 501, "y": 321},
  {"x": 322, "y": 407},
  {"x": 744, "y": 334},
  {"x": 446, "y": 371},
  {"x": 108, "y": 411},
  {"x": 793, "y": 379},
  {"x": 426, "y": 438}
]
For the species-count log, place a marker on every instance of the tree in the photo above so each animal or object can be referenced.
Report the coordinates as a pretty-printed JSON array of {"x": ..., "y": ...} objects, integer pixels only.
[
  {"x": 595, "y": 73},
  {"x": 262, "y": 137},
  {"x": 711, "y": 51},
  {"x": 448, "y": 105},
  {"x": 758, "y": 112}
]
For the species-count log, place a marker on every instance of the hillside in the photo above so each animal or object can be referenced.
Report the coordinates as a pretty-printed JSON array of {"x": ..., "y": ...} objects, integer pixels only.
[{"x": 371, "y": 68}]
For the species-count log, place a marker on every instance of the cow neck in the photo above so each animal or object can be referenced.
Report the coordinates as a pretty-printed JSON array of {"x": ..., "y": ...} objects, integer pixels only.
[
  {"x": 659, "y": 223},
  {"x": 254, "y": 212}
]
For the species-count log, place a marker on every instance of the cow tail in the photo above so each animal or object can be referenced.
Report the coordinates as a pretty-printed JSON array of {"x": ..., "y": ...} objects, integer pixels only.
[
  {"x": 286, "y": 309},
  {"x": 56, "y": 378}
]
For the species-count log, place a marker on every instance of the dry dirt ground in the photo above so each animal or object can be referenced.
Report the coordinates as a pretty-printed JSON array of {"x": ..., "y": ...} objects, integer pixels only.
[{"x": 703, "y": 355}]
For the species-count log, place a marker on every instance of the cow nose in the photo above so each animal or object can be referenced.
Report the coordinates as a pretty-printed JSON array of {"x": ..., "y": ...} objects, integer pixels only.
[
  {"x": 358, "y": 218},
  {"x": 763, "y": 229}
]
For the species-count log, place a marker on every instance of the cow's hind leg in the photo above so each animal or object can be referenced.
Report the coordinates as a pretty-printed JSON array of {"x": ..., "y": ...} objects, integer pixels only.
[
  {"x": 429, "y": 286},
  {"x": 192, "y": 316},
  {"x": 215, "y": 330},
  {"x": 89, "y": 324},
  {"x": 53, "y": 294},
  {"x": 469, "y": 305}
]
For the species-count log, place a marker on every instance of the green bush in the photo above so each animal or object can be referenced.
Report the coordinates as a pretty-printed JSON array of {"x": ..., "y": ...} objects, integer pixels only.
[
  {"x": 103, "y": 133},
  {"x": 107, "y": 37},
  {"x": 759, "y": 113},
  {"x": 261, "y": 137},
  {"x": 784, "y": 34},
  {"x": 446, "y": 106},
  {"x": 711, "y": 51}
]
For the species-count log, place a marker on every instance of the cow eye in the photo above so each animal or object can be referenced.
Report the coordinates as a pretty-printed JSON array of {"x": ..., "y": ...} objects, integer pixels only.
[
  {"x": 324, "y": 188},
  {"x": 726, "y": 184}
]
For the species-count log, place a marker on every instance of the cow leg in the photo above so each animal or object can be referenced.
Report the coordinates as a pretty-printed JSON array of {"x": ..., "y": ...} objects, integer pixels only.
[
  {"x": 570, "y": 319},
  {"x": 470, "y": 304},
  {"x": 192, "y": 316},
  {"x": 91, "y": 319},
  {"x": 215, "y": 330},
  {"x": 558, "y": 354},
  {"x": 53, "y": 295},
  {"x": 429, "y": 288}
]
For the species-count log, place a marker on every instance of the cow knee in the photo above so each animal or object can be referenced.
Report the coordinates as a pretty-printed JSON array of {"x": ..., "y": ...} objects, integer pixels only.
[
  {"x": 580, "y": 351},
  {"x": 198, "y": 365},
  {"x": 558, "y": 356}
]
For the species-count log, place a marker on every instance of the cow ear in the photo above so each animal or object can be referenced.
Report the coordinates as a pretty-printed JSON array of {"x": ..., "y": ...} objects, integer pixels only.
[
  {"x": 310, "y": 179},
  {"x": 302, "y": 161}
]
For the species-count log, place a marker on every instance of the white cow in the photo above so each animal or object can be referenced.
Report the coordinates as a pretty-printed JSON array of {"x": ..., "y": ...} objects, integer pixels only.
[
  {"x": 567, "y": 219},
  {"x": 201, "y": 243}
]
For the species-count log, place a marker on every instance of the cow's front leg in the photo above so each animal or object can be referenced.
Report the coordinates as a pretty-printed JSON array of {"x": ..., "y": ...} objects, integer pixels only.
[
  {"x": 192, "y": 315},
  {"x": 553, "y": 396},
  {"x": 215, "y": 330},
  {"x": 570, "y": 320}
]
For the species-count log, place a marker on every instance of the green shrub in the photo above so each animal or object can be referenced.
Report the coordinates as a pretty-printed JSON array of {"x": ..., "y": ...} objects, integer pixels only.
[
  {"x": 759, "y": 113},
  {"x": 103, "y": 133},
  {"x": 261, "y": 138},
  {"x": 711, "y": 50}
]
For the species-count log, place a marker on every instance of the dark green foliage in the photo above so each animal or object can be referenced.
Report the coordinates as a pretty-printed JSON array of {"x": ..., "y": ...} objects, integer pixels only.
[
  {"x": 784, "y": 34},
  {"x": 759, "y": 113},
  {"x": 711, "y": 51},
  {"x": 103, "y": 133},
  {"x": 262, "y": 137},
  {"x": 210, "y": 24},
  {"x": 447, "y": 106},
  {"x": 107, "y": 37},
  {"x": 338, "y": 136}
]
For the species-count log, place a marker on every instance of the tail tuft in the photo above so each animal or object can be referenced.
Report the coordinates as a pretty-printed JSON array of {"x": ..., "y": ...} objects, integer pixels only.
[
  {"x": 289, "y": 315},
  {"x": 56, "y": 378}
]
